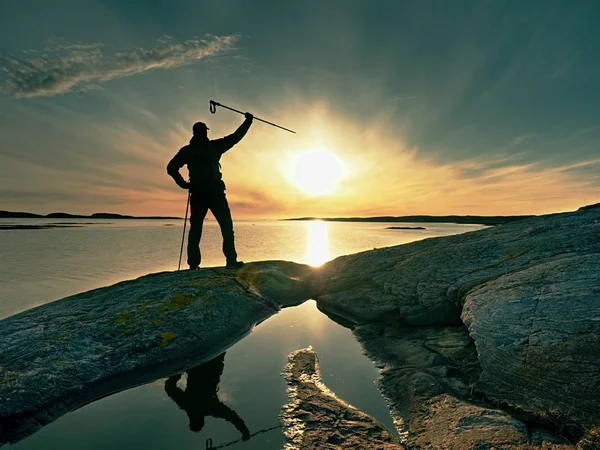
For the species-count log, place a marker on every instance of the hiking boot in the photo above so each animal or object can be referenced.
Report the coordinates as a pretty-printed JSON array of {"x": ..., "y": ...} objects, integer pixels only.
[{"x": 234, "y": 264}]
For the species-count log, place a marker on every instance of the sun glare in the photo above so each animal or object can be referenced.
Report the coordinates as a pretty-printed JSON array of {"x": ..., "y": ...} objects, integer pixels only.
[{"x": 317, "y": 172}]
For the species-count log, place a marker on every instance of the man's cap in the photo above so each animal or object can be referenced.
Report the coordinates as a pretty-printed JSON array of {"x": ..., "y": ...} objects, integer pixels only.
[{"x": 199, "y": 126}]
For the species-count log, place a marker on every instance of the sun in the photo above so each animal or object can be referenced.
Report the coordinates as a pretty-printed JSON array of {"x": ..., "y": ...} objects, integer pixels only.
[{"x": 317, "y": 171}]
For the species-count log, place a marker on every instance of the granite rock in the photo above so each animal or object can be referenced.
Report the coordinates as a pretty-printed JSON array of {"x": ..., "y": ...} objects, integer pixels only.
[
  {"x": 62, "y": 355},
  {"x": 315, "y": 418}
]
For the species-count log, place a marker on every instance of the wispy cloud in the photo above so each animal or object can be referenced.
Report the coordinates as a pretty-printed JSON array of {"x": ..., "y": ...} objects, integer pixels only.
[
  {"x": 525, "y": 137},
  {"x": 64, "y": 67}
]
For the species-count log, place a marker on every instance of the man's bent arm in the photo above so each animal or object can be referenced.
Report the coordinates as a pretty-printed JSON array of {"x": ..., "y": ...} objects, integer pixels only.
[
  {"x": 229, "y": 141},
  {"x": 173, "y": 169},
  {"x": 173, "y": 391}
]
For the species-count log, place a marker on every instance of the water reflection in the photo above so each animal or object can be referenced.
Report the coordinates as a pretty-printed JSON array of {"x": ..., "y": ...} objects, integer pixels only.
[
  {"x": 200, "y": 397},
  {"x": 317, "y": 251},
  {"x": 253, "y": 378}
]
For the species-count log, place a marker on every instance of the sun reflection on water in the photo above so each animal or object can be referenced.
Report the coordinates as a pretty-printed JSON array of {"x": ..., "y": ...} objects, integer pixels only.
[{"x": 317, "y": 249}]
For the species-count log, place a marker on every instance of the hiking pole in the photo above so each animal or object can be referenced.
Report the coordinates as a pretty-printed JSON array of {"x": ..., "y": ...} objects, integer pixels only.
[
  {"x": 213, "y": 110},
  {"x": 187, "y": 206},
  {"x": 209, "y": 442}
]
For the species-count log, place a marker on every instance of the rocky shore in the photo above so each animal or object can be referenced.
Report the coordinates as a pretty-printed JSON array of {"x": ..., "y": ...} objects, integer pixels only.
[
  {"x": 60, "y": 356},
  {"x": 507, "y": 317},
  {"x": 488, "y": 339}
]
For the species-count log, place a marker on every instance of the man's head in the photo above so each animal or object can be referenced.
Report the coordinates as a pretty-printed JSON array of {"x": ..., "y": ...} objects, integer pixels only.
[
  {"x": 200, "y": 129},
  {"x": 196, "y": 422}
]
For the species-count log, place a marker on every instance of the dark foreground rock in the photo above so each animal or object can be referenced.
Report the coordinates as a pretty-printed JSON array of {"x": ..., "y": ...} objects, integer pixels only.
[
  {"x": 504, "y": 317},
  {"x": 62, "y": 355},
  {"x": 314, "y": 418},
  {"x": 429, "y": 376}
]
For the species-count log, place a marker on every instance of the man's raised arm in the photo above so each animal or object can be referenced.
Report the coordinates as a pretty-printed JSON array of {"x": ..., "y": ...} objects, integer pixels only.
[
  {"x": 220, "y": 409},
  {"x": 227, "y": 142},
  {"x": 173, "y": 167}
]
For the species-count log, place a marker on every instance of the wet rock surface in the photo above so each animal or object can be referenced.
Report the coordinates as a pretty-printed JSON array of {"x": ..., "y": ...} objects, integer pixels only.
[
  {"x": 428, "y": 378},
  {"x": 62, "y": 355},
  {"x": 314, "y": 418},
  {"x": 507, "y": 317},
  {"x": 445, "y": 422}
]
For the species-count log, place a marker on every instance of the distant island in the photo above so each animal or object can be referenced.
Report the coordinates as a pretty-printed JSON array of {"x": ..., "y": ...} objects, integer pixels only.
[
  {"x": 61, "y": 215},
  {"x": 37, "y": 227},
  {"x": 405, "y": 228},
  {"x": 471, "y": 220}
]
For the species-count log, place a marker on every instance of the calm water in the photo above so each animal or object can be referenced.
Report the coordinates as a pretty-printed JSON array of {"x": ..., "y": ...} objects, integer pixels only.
[{"x": 37, "y": 266}]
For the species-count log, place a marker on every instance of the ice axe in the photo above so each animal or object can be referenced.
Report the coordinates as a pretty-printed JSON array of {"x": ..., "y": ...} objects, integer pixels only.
[{"x": 213, "y": 110}]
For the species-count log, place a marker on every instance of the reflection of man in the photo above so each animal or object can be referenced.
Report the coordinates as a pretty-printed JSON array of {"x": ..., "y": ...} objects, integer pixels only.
[{"x": 200, "y": 397}]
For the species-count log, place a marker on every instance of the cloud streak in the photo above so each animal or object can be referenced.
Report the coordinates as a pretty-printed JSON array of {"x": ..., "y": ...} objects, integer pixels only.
[{"x": 65, "y": 68}]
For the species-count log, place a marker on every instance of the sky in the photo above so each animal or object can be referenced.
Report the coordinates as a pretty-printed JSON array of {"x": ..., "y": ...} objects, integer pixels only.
[{"x": 427, "y": 107}]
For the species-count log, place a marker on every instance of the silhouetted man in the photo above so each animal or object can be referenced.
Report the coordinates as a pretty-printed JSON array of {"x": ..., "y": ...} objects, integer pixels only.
[
  {"x": 207, "y": 187},
  {"x": 200, "y": 398}
]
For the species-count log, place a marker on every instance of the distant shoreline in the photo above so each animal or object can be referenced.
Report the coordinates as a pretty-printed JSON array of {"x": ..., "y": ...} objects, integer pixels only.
[
  {"x": 37, "y": 227},
  {"x": 61, "y": 215},
  {"x": 463, "y": 220}
]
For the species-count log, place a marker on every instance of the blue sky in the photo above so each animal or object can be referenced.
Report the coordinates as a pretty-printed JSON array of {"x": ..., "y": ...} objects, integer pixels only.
[{"x": 482, "y": 107}]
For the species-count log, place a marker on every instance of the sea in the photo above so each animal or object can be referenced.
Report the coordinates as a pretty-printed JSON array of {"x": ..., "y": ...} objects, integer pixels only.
[{"x": 38, "y": 266}]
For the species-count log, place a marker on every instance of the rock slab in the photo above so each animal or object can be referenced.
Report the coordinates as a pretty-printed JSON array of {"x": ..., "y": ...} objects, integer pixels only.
[
  {"x": 537, "y": 333},
  {"x": 314, "y": 418},
  {"x": 65, "y": 354},
  {"x": 526, "y": 295}
]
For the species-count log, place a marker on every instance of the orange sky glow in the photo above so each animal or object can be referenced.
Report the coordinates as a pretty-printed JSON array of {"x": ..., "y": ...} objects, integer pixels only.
[{"x": 381, "y": 175}]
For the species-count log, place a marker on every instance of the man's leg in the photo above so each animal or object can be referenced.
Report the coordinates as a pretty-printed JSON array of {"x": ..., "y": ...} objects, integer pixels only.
[
  {"x": 198, "y": 210},
  {"x": 220, "y": 209}
]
